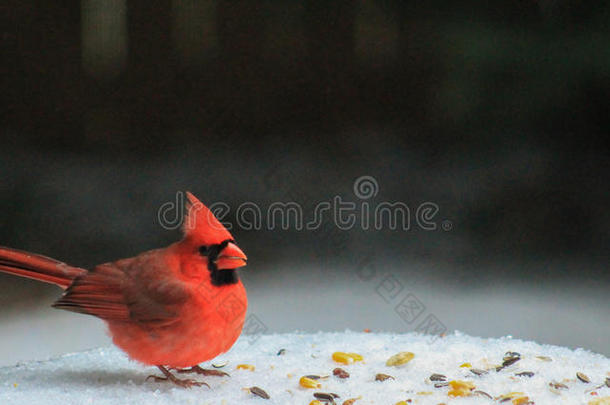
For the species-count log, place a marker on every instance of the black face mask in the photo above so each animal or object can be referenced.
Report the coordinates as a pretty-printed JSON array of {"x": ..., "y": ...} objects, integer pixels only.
[{"x": 219, "y": 277}]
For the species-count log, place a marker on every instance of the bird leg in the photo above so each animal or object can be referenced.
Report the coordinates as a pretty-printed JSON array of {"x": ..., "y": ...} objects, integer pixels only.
[
  {"x": 188, "y": 383},
  {"x": 202, "y": 371}
]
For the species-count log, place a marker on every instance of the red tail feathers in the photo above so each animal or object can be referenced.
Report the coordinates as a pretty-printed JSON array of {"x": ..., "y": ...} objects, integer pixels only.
[{"x": 38, "y": 267}]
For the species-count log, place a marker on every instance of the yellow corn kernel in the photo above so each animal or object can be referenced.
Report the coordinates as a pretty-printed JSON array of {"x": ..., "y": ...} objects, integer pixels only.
[
  {"x": 342, "y": 358},
  {"x": 355, "y": 356},
  {"x": 400, "y": 358},
  {"x": 521, "y": 400},
  {"x": 351, "y": 400},
  {"x": 315, "y": 402},
  {"x": 460, "y": 388},
  {"x": 458, "y": 393},
  {"x": 309, "y": 383},
  {"x": 459, "y": 384},
  {"x": 248, "y": 367},
  {"x": 401, "y": 403},
  {"x": 424, "y": 393},
  {"x": 466, "y": 365}
]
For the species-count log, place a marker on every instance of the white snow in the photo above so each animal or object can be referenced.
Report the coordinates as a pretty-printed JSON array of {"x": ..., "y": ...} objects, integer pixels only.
[{"x": 106, "y": 376}]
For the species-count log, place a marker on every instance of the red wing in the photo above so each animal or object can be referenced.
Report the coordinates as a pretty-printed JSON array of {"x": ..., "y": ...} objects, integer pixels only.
[
  {"x": 158, "y": 304},
  {"x": 116, "y": 294}
]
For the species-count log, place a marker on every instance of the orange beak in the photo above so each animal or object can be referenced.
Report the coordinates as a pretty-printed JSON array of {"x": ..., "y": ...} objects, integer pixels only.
[{"x": 231, "y": 257}]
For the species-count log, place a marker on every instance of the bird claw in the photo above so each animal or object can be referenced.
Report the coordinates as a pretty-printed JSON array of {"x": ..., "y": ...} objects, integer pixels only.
[
  {"x": 186, "y": 383},
  {"x": 202, "y": 371}
]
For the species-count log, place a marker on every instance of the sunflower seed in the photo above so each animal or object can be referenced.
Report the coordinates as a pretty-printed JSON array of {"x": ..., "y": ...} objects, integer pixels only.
[
  {"x": 441, "y": 385},
  {"x": 383, "y": 377},
  {"x": 525, "y": 374},
  {"x": 477, "y": 371},
  {"x": 281, "y": 352},
  {"x": 482, "y": 393},
  {"x": 510, "y": 355},
  {"x": 259, "y": 392},
  {"x": 438, "y": 377},
  {"x": 326, "y": 397},
  {"x": 608, "y": 382},
  {"x": 313, "y": 377},
  {"x": 510, "y": 361},
  {"x": 583, "y": 377}
]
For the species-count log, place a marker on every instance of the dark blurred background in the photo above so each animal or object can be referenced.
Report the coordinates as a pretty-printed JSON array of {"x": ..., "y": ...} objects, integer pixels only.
[{"x": 497, "y": 112}]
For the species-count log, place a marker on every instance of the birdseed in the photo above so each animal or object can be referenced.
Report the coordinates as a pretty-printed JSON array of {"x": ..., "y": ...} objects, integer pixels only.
[
  {"x": 399, "y": 359},
  {"x": 340, "y": 373},
  {"x": 525, "y": 374},
  {"x": 383, "y": 377},
  {"x": 478, "y": 371},
  {"x": 438, "y": 377},
  {"x": 259, "y": 392},
  {"x": 306, "y": 382}
]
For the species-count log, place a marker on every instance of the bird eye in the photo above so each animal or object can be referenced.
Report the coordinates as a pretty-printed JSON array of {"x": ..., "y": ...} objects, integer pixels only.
[{"x": 204, "y": 250}]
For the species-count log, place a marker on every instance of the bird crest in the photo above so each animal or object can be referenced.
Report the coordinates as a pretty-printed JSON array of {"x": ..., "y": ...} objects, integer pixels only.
[{"x": 200, "y": 224}]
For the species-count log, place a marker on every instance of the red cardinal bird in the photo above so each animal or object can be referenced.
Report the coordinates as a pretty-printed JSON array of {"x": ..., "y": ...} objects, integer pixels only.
[{"x": 173, "y": 307}]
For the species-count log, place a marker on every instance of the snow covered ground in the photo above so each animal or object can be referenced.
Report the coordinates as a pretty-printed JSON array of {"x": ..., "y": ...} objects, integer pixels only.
[
  {"x": 106, "y": 376},
  {"x": 563, "y": 314}
]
